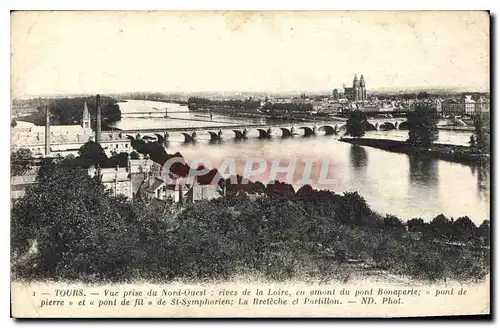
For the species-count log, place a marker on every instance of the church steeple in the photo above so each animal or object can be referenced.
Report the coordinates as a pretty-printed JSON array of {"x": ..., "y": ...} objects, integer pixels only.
[
  {"x": 355, "y": 88},
  {"x": 355, "y": 82},
  {"x": 85, "y": 117},
  {"x": 363, "y": 88}
]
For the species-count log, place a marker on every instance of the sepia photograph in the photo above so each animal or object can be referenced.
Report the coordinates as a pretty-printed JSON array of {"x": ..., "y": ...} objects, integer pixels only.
[{"x": 250, "y": 164}]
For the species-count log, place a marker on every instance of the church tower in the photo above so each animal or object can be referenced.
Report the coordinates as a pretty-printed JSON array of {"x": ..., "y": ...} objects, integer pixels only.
[
  {"x": 356, "y": 88},
  {"x": 86, "y": 117},
  {"x": 363, "y": 88}
]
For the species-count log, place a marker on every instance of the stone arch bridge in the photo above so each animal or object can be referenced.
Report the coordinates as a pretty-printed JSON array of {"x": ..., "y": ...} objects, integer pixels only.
[{"x": 266, "y": 131}]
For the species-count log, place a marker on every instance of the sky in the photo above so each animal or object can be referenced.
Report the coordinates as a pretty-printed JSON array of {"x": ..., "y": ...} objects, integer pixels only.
[{"x": 109, "y": 52}]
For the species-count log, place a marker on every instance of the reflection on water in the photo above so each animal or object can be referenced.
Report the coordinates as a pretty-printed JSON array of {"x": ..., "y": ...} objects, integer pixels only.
[
  {"x": 423, "y": 170},
  {"x": 358, "y": 157},
  {"x": 407, "y": 186},
  {"x": 483, "y": 181}
]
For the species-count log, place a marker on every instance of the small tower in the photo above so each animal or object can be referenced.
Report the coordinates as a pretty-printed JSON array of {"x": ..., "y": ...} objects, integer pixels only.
[
  {"x": 85, "y": 117},
  {"x": 363, "y": 88},
  {"x": 335, "y": 94}
]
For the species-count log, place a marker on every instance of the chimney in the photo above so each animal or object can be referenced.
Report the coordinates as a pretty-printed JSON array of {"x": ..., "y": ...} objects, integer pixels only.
[
  {"x": 47, "y": 130},
  {"x": 98, "y": 121}
]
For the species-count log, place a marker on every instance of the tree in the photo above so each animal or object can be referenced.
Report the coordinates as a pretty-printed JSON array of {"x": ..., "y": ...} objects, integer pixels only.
[
  {"x": 393, "y": 222},
  {"x": 422, "y": 125},
  {"x": 134, "y": 155},
  {"x": 441, "y": 227},
  {"x": 91, "y": 153},
  {"x": 356, "y": 124},
  {"x": 69, "y": 110},
  {"x": 482, "y": 132},
  {"x": 120, "y": 160},
  {"x": 79, "y": 229},
  {"x": 483, "y": 232},
  {"x": 422, "y": 95},
  {"x": 463, "y": 228},
  {"x": 416, "y": 224},
  {"x": 352, "y": 208},
  {"x": 20, "y": 161},
  {"x": 472, "y": 141}
]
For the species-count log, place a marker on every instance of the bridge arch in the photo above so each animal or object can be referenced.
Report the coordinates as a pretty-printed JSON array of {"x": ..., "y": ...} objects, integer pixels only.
[
  {"x": 341, "y": 128},
  {"x": 387, "y": 126},
  {"x": 286, "y": 132},
  {"x": 370, "y": 127},
  {"x": 240, "y": 134},
  {"x": 188, "y": 138},
  {"x": 307, "y": 131},
  {"x": 329, "y": 130},
  {"x": 215, "y": 136},
  {"x": 160, "y": 138},
  {"x": 403, "y": 126}
]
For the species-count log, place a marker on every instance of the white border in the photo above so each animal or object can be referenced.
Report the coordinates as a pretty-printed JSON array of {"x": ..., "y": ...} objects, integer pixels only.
[{"x": 7, "y": 5}]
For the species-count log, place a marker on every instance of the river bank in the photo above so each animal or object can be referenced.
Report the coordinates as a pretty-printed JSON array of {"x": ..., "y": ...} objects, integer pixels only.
[
  {"x": 456, "y": 128},
  {"x": 453, "y": 153}
]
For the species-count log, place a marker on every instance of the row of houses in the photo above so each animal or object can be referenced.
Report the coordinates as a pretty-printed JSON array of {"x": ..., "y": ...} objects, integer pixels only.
[
  {"x": 141, "y": 178},
  {"x": 465, "y": 105}
]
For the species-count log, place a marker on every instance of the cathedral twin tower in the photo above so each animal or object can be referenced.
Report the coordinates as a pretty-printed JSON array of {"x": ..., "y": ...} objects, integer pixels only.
[
  {"x": 359, "y": 88},
  {"x": 355, "y": 93}
]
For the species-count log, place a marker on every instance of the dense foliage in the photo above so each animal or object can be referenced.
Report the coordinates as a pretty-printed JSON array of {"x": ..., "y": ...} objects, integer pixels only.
[
  {"x": 92, "y": 154},
  {"x": 82, "y": 233},
  {"x": 70, "y": 111},
  {"x": 482, "y": 133},
  {"x": 20, "y": 161},
  {"x": 422, "y": 125},
  {"x": 288, "y": 107},
  {"x": 247, "y": 104}
]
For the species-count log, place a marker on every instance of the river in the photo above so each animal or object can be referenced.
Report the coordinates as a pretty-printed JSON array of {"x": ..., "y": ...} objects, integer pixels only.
[{"x": 391, "y": 183}]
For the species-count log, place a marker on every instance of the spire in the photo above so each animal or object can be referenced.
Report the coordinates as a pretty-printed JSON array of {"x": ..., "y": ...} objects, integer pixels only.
[
  {"x": 355, "y": 82},
  {"x": 86, "y": 115},
  {"x": 362, "y": 81}
]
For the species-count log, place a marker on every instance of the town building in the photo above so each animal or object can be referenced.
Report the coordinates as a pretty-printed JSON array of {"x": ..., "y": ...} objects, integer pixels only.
[
  {"x": 117, "y": 180},
  {"x": 356, "y": 93},
  {"x": 65, "y": 139},
  {"x": 466, "y": 105}
]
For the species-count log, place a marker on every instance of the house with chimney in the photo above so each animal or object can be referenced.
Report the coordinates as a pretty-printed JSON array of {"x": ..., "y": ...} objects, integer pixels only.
[{"x": 117, "y": 180}]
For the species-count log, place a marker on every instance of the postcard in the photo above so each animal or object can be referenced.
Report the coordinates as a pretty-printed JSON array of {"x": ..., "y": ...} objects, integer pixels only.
[{"x": 248, "y": 164}]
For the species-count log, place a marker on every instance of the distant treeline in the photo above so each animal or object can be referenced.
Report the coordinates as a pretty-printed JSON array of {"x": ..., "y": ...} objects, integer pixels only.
[
  {"x": 428, "y": 95},
  {"x": 288, "y": 107},
  {"x": 247, "y": 104},
  {"x": 65, "y": 111},
  {"x": 156, "y": 96}
]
